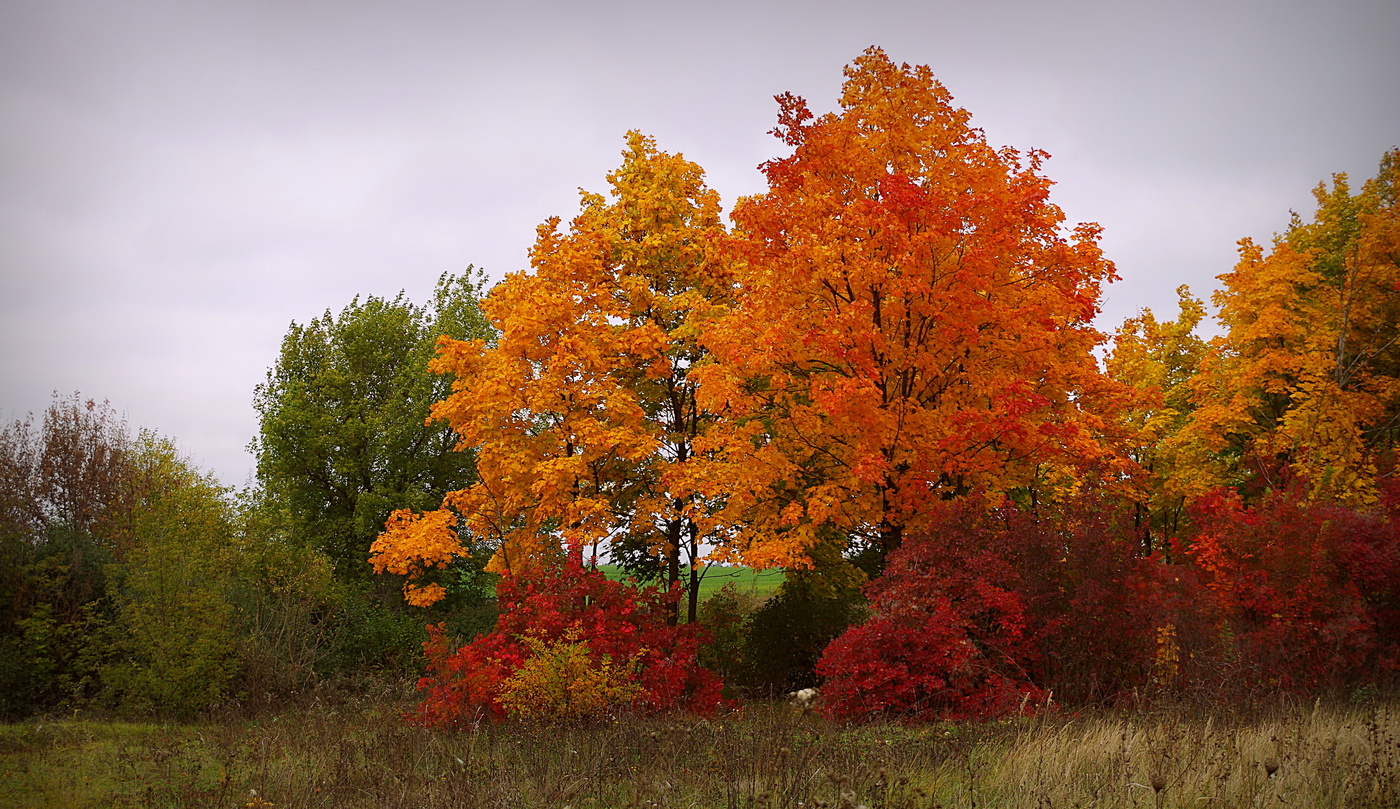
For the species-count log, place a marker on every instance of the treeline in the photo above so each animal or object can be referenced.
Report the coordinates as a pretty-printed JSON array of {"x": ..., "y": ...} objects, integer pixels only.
[
  {"x": 135, "y": 582},
  {"x": 880, "y": 377}
]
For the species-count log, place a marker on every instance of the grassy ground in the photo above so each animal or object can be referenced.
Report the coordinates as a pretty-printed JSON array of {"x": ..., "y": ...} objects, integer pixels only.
[
  {"x": 759, "y": 583},
  {"x": 770, "y": 756}
]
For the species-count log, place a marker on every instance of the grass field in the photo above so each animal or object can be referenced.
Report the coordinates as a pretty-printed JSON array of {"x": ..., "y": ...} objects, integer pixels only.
[
  {"x": 760, "y": 583},
  {"x": 768, "y": 756}
]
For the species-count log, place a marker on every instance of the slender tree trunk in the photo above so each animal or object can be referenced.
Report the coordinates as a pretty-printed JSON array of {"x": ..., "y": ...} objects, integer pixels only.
[
  {"x": 693, "y": 605},
  {"x": 891, "y": 531},
  {"x": 673, "y": 564}
]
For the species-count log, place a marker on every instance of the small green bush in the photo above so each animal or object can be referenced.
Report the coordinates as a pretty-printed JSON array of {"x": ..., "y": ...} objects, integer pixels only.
[
  {"x": 726, "y": 616},
  {"x": 786, "y": 636}
]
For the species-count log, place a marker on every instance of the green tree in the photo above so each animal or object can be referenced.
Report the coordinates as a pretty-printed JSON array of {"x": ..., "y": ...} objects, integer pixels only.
[
  {"x": 115, "y": 566},
  {"x": 290, "y": 612},
  {"x": 171, "y": 643},
  {"x": 66, "y": 490},
  {"x": 344, "y": 438}
]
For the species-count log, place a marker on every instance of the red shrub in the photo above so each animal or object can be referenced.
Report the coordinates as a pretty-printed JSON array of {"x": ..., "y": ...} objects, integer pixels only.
[
  {"x": 993, "y": 610},
  {"x": 947, "y": 635},
  {"x": 616, "y": 621},
  {"x": 1303, "y": 587},
  {"x": 1096, "y": 606},
  {"x": 1370, "y": 556}
]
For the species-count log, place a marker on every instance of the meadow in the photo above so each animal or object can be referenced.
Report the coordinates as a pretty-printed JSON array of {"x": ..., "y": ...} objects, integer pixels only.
[
  {"x": 747, "y": 581},
  {"x": 768, "y": 755}
]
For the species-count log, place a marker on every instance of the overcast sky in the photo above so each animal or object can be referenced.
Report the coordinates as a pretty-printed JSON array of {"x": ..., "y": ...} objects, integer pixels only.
[{"x": 179, "y": 181}]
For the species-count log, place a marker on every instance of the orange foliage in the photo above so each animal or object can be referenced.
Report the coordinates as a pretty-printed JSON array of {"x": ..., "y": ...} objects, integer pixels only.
[
  {"x": 911, "y": 322},
  {"x": 581, "y": 406},
  {"x": 1306, "y": 382},
  {"x": 412, "y": 544}
]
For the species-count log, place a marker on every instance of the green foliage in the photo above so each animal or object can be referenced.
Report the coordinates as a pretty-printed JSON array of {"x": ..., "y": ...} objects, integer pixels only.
[
  {"x": 134, "y": 582},
  {"x": 343, "y": 439},
  {"x": 39, "y": 664},
  {"x": 174, "y": 624},
  {"x": 285, "y": 605},
  {"x": 787, "y": 634},
  {"x": 66, "y": 493},
  {"x": 376, "y": 633},
  {"x": 289, "y": 610},
  {"x": 725, "y": 616},
  {"x": 470, "y": 607}
]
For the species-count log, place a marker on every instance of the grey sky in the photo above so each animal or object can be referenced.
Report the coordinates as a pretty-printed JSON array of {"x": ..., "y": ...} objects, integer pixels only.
[{"x": 181, "y": 180}]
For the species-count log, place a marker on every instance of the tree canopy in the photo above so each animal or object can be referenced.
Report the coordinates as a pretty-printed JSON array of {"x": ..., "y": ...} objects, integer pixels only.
[
  {"x": 911, "y": 321},
  {"x": 1305, "y": 382},
  {"x": 584, "y": 409},
  {"x": 344, "y": 437}
]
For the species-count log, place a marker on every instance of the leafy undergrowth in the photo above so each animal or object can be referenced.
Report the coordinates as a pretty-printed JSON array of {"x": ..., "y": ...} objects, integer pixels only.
[{"x": 769, "y": 756}]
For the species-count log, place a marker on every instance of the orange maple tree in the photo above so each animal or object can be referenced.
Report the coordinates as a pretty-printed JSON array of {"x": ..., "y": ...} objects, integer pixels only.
[
  {"x": 584, "y": 403},
  {"x": 911, "y": 321}
]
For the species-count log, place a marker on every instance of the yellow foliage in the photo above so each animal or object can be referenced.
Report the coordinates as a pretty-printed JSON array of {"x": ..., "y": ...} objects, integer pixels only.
[
  {"x": 1168, "y": 657},
  {"x": 424, "y": 595},
  {"x": 1157, "y": 360},
  {"x": 581, "y": 413},
  {"x": 1307, "y": 378},
  {"x": 563, "y": 680}
]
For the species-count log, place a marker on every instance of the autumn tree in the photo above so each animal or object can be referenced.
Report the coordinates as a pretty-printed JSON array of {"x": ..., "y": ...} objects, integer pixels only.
[
  {"x": 585, "y": 406},
  {"x": 115, "y": 567},
  {"x": 1157, "y": 361},
  {"x": 66, "y": 486},
  {"x": 1306, "y": 380},
  {"x": 343, "y": 437},
  {"x": 911, "y": 320},
  {"x": 67, "y": 491}
]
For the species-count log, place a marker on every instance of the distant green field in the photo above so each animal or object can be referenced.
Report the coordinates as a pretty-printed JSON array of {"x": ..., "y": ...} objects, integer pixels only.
[{"x": 761, "y": 583}]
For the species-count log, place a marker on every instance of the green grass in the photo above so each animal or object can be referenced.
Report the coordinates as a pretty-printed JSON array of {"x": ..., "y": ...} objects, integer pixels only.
[
  {"x": 77, "y": 764},
  {"x": 758, "y": 583},
  {"x": 767, "y": 757}
]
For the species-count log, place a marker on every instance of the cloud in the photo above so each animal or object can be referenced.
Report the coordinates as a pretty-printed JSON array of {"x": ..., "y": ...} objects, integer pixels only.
[{"x": 179, "y": 181}]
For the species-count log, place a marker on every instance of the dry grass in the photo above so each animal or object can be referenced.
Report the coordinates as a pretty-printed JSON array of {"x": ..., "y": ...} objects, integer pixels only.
[
  {"x": 771, "y": 756},
  {"x": 1304, "y": 757}
]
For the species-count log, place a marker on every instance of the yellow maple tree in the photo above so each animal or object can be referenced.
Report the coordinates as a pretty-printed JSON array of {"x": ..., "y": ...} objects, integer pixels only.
[
  {"x": 1156, "y": 360},
  {"x": 1306, "y": 380}
]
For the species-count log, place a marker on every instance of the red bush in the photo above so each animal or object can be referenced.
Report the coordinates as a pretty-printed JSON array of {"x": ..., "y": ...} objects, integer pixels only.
[
  {"x": 947, "y": 635},
  {"x": 1308, "y": 591},
  {"x": 991, "y": 609},
  {"x": 1097, "y": 608},
  {"x": 621, "y": 622},
  {"x": 996, "y": 610}
]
